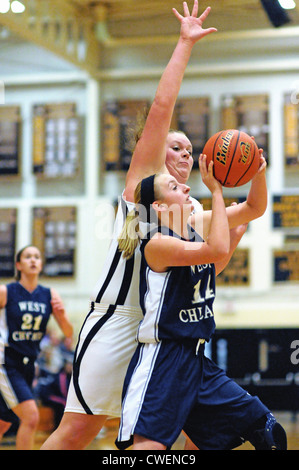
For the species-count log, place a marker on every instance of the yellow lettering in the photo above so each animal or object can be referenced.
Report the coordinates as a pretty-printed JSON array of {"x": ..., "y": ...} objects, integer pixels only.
[
  {"x": 221, "y": 156},
  {"x": 245, "y": 148}
]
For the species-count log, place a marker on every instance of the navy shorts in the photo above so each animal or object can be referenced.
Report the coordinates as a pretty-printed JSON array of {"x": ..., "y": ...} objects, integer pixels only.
[
  {"x": 172, "y": 387},
  {"x": 16, "y": 378}
]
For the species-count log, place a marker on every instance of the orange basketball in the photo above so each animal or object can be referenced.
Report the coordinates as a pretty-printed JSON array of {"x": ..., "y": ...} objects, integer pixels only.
[{"x": 235, "y": 155}]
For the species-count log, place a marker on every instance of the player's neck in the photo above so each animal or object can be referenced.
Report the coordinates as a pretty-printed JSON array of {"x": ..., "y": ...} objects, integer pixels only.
[
  {"x": 30, "y": 283},
  {"x": 179, "y": 225}
]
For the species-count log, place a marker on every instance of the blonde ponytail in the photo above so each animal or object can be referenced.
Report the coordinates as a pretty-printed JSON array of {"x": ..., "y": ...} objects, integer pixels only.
[
  {"x": 144, "y": 196},
  {"x": 129, "y": 236}
]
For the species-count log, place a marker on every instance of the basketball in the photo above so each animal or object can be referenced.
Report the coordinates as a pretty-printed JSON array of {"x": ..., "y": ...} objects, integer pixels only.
[{"x": 235, "y": 155}]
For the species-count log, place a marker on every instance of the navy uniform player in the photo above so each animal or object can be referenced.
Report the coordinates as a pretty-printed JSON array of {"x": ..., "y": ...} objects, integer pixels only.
[
  {"x": 26, "y": 308},
  {"x": 170, "y": 385},
  {"x": 107, "y": 338}
]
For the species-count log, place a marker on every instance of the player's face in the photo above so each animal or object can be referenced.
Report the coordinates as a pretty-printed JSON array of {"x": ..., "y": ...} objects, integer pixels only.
[
  {"x": 30, "y": 262},
  {"x": 179, "y": 160},
  {"x": 174, "y": 194}
]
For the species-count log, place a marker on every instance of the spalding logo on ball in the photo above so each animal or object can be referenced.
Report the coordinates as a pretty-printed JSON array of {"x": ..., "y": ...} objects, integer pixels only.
[{"x": 235, "y": 155}]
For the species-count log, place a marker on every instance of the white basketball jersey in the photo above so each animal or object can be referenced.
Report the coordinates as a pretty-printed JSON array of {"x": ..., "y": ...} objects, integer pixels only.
[{"x": 119, "y": 280}]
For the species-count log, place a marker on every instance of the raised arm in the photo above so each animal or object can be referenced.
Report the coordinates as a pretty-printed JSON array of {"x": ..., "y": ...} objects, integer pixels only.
[{"x": 149, "y": 154}]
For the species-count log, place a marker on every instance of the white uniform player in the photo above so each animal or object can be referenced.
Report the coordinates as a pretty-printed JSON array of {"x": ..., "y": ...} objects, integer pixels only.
[{"x": 107, "y": 339}]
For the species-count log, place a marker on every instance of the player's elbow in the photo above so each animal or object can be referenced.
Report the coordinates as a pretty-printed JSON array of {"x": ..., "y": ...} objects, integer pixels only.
[
  {"x": 258, "y": 212},
  {"x": 162, "y": 104},
  {"x": 258, "y": 208},
  {"x": 220, "y": 251},
  {"x": 263, "y": 208}
]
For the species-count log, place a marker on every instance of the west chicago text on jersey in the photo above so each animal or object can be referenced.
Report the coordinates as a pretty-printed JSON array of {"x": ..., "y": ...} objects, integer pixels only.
[
  {"x": 198, "y": 312},
  {"x": 31, "y": 321},
  {"x": 32, "y": 307},
  {"x": 27, "y": 335},
  {"x": 191, "y": 315}
]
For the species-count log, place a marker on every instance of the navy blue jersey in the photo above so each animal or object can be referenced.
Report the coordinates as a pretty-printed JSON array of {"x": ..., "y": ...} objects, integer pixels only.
[
  {"x": 177, "y": 304},
  {"x": 24, "y": 320}
]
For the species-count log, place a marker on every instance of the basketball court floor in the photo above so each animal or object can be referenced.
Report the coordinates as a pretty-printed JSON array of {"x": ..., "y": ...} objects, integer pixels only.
[{"x": 106, "y": 438}]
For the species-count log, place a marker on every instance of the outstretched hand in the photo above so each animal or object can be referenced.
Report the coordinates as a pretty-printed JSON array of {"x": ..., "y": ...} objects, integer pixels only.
[
  {"x": 207, "y": 174},
  {"x": 191, "y": 25}
]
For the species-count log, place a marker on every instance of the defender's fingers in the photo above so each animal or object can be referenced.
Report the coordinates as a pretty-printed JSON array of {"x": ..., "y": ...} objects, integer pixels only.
[
  {"x": 186, "y": 9},
  {"x": 195, "y": 8},
  {"x": 177, "y": 14},
  {"x": 205, "y": 14}
]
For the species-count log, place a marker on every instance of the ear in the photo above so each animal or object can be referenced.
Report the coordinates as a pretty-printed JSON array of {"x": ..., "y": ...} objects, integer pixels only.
[{"x": 159, "y": 206}]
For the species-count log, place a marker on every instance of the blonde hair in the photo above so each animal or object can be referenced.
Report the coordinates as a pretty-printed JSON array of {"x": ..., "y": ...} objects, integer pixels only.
[
  {"x": 131, "y": 235},
  {"x": 135, "y": 134}
]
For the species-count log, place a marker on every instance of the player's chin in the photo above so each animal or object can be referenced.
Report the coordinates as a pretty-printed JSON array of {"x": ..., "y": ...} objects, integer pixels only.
[
  {"x": 183, "y": 173},
  {"x": 188, "y": 207}
]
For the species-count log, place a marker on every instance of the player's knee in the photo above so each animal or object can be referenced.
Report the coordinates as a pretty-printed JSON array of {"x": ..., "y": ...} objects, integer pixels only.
[
  {"x": 31, "y": 419},
  {"x": 72, "y": 434}
]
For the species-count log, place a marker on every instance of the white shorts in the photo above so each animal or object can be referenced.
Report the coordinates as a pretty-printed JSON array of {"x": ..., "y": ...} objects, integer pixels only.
[{"x": 102, "y": 358}]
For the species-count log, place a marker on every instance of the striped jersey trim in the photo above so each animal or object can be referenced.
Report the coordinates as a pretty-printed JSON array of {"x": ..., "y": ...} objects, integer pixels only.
[
  {"x": 134, "y": 397},
  {"x": 120, "y": 300},
  {"x": 148, "y": 330}
]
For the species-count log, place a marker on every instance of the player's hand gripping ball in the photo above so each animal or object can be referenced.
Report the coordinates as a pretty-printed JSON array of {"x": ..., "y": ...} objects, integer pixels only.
[{"x": 235, "y": 155}]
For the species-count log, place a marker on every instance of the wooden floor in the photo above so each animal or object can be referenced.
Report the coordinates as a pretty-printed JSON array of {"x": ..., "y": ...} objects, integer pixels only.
[{"x": 106, "y": 438}]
